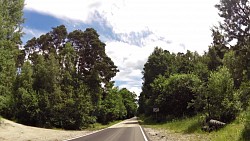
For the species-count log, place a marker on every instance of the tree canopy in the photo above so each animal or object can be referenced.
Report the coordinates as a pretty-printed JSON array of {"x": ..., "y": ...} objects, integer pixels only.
[{"x": 59, "y": 79}]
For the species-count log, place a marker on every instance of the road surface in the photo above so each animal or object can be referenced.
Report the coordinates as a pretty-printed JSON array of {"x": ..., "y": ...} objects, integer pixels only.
[{"x": 128, "y": 130}]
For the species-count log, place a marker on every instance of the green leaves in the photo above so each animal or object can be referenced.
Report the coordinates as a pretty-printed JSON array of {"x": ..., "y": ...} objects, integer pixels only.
[
  {"x": 236, "y": 19},
  {"x": 79, "y": 53},
  {"x": 129, "y": 101},
  {"x": 64, "y": 83},
  {"x": 8, "y": 71},
  {"x": 189, "y": 88},
  {"x": 223, "y": 101},
  {"x": 11, "y": 18},
  {"x": 173, "y": 94},
  {"x": 218, "y": 98},
  {"x": 162, "y": 65},
  {"x": 60, "y": 85}
]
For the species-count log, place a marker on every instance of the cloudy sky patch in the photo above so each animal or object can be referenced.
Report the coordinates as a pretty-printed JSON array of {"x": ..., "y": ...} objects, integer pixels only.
[{"x": 131, "y": 29}]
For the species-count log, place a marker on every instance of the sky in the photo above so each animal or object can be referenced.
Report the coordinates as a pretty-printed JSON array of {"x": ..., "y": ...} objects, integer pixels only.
[{"x": 131, "y": 29}]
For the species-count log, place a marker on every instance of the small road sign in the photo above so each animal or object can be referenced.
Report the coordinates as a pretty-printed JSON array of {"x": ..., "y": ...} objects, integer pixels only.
[{"x": 156, "y": 110}]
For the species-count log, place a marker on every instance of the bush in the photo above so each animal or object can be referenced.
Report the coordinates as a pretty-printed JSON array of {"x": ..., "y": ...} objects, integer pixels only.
[
  {"x": 222, "y": 101},
  {"x": 244, "y": 94},
  {"x": 175, "y": 94}
]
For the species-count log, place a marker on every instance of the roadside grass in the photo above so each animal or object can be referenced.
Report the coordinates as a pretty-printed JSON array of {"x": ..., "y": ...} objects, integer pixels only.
[
  {"x": 185, "y": 125},
  {"x": 238, "y": 130}
]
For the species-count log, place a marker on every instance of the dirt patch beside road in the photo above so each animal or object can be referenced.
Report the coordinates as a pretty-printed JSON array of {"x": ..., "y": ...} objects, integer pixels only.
[
  {"x": 165, "y": 135},
  {"x": 11, "y": 131}
]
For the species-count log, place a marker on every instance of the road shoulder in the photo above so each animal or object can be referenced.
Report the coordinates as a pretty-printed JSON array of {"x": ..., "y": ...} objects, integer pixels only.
[{"x": 163, "y": 135}]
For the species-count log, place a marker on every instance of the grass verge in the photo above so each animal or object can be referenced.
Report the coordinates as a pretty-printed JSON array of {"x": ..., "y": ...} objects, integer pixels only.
[
  {"x": 238, "y": 130},
  {"x": 185, "y": 125}
]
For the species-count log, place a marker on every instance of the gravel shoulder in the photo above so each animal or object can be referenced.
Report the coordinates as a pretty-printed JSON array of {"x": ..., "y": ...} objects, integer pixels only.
[
  {"x": 165, "y": 135},
  {"x": 11, "y": 131}
]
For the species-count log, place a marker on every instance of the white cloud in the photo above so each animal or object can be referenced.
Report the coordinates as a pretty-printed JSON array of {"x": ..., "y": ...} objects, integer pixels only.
[
  {"x": 130, "y": 60},
  {"x": 185, "y": 21},
  {"x": 131, "y": 87},
  {"x": 30, "y": 33},
  {"x": 175, "y": 25},
  {"x": 33, "y": 32},
  {"x": 77, "y": 9}
]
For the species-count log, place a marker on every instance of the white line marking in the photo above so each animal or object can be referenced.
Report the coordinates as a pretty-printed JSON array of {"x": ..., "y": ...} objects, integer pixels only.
[
  {"x": 85, "y": 134},
  {"x": 105, "y": 129},
  {"x": 93, "y": 132},
  {"x": 145, "y": 138}
]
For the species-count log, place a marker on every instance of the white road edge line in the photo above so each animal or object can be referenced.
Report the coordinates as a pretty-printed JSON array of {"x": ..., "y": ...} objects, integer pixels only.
[
  {"x": 145, "y": 138},
  {"x": 85, "y": 134},
  {"x": 93, "y": 132}
]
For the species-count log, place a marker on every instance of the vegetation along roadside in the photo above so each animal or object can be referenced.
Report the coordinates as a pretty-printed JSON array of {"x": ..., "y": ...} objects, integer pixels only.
[{"x": 204, "y": 94}]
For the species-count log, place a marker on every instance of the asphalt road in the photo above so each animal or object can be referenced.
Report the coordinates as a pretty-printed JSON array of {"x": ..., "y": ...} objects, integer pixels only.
[{"x": 128, "y": 130}]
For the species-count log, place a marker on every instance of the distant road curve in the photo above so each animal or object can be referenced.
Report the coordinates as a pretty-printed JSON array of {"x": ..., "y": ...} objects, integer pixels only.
[{"x": 127, "y": 130}]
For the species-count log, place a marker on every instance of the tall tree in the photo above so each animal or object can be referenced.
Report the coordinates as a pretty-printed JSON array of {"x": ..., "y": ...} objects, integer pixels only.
[
  {"x": 129, "y": 101},
  {"x": 11, "y": 18},
  {"x": 69, "y": 70},
  {"x": 10, "y": 33},
  {"x": 160, "y": 62},
  {"x": 25, "y": 98},
  {"x": 235, "y": 14},
  {"x": 236, "y": 32},
  {"x": 112, "y": 106},
  {"x": 93, "y": 63}
]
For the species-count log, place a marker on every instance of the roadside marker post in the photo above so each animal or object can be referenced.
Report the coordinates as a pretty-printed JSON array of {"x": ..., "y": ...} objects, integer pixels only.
[{"x": 156, "y": 110}]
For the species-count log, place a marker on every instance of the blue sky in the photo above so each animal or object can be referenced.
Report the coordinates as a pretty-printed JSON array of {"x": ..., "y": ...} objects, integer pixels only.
[{"x": 130, "y": 28}]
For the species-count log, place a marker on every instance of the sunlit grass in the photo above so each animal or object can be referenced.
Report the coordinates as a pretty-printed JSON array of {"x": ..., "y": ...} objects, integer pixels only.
[
  {"x": 185, "y": 125},
  {"x": 231, "y": 132},
  {"x": 238, "y": 130}
]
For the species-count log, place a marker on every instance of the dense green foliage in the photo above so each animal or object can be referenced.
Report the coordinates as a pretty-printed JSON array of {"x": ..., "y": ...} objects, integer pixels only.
[
  {"x": 65, "y": 82},
  {"x": 215, "y": 83},
  {"x": 174, "y": 94},
  {"x": 218, "y": 98},
  {"x": 10, "y": 33},
  {"x": 58, "y": 80}
]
